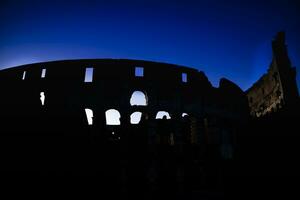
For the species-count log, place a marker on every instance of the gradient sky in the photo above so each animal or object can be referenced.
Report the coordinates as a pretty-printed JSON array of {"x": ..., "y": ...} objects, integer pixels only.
[{"x": 229, "y": 38}]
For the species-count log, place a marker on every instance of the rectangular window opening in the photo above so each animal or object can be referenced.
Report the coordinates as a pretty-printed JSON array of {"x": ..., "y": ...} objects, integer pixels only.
[
  {"x": 89, "y": 116},
  {"x": 24, "y": 75},
  {"x": 184, "y": 77},
  {"x": 42, "y": 98},
  {"x": 139, "y": 71},
  {"x": 89, "y": 75},
  {"x": 43, "y": 73}
]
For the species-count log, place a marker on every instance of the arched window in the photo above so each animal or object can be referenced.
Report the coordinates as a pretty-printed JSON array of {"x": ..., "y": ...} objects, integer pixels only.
[
  {"x": 89, "y": 116},
  {"x": 112, "y": 117},
  {"x": 184, "y": 114},
  {"x": 135, "y": 117},
  {"x": 138, "y": 98},
  {"x": 161, "y": 114}
]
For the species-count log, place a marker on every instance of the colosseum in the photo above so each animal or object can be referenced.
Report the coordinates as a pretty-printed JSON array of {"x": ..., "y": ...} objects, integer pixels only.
[{"x": 143, "y": 127}]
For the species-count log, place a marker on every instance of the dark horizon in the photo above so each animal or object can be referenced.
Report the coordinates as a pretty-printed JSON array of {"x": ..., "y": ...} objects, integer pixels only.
[{"x": 230, "y": 40}]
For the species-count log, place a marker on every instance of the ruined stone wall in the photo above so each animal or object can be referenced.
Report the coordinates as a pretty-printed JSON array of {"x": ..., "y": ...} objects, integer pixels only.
[
  {"x": 266, "y": 95},
  {"x": 67, "y": 95},
  {"x": 277, "y": 88},
  {"x": 113, "y": 83},
  {"x": 56, "y": 137}
]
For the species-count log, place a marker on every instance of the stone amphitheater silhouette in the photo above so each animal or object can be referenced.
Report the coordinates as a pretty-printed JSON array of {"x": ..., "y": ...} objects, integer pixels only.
[{"x": 146, "y": 128}]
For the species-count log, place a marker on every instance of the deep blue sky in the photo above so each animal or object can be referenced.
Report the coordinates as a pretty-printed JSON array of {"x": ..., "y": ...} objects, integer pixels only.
[{"x": 229, "y": 38}]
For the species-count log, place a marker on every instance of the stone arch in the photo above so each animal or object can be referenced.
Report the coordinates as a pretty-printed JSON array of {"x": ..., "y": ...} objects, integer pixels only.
[
  {"x": 138, "y": 98},
  {"x": 135, "y": 117},
  {"x": 160, "y": 115},
  {"x": 112, "y": 117},
  {"x": 184, "y": 114}
]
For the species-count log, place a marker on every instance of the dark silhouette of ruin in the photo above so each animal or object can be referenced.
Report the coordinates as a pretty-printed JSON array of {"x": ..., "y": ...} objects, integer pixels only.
[
  {"x": 278, "y": 86},
  {"x": 75, "y": 117}
]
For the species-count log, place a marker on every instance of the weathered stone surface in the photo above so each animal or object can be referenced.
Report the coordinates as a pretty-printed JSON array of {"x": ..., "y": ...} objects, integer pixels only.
[{"x": 278, "y": 86}]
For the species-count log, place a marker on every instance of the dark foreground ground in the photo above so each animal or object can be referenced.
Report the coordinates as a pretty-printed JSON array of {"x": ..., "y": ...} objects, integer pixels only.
[{"x": 265, "y": 165}]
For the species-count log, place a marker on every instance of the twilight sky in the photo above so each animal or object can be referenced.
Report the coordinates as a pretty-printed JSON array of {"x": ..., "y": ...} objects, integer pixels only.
[{"x": 229, "y": 38}]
